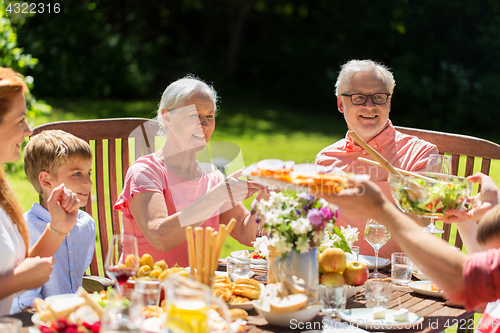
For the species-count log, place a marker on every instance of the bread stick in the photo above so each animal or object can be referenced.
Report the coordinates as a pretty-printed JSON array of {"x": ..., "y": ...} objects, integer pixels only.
[
  {"x": 206, "y": 255},
  {"x": 191, "y": 253},
  {"x": 220, "y": 240},
  {"x": 198, "y": 232},
  {"x": 230, "y": 226},
  {"x": 215, "y": 256}
]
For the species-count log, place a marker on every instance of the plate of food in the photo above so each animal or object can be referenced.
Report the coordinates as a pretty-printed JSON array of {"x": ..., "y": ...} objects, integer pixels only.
[
  {"x": 292, "y": 307},
  {"x": 256, "y": 258},
  {"x": 237, "y": 294},
  {"x": 383, "y": 320},
  {"x": 430, "y": 198},
  {"x": 418, "y": 273},
  {"x": 69, "y": 308},
  {"x": 288, "y": 176},
  {"x": 426, "y": 288}
]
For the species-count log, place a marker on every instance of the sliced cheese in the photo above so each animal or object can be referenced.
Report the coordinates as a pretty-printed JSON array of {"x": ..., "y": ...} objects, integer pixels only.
[
  {"x": 400, "y": 315},
  {"x": 62, "y": 307},
  {"x": 378, "y": 313}
]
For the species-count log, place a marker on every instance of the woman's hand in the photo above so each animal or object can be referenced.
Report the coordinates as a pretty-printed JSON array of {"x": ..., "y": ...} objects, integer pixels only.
[
  {"x": 241, "y": 189},
  {"x": 480, "y": 203},
  {"x": 34, "y": 272},
  {"x": 63, "y": 206}
]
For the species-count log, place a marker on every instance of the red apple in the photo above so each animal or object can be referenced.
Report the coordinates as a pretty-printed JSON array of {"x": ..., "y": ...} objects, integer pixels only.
[
  {"x": 355, "y": 273},
  {"x": 332, "y": 260},
  {"x": 332, "y": 279}
]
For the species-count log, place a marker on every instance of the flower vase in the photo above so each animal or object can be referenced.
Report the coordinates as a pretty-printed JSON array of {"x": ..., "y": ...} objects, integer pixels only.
[{"x": 304, "y": 266}]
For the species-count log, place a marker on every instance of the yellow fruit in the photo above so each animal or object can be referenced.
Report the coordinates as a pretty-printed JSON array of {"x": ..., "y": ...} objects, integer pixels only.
[
  {"x": 162, "y": 264},
  {"x": 144, "y": 271},
  {"x": 183, "y": 272},
  {"x": 131, "y": 260},
  {"x": 164, "y": 274},
  {"x": 333, "y": 260},
  {"x": 155, "y": 273},
  {"x": 332, "y": 279},
  {"x": 147, "y": 259}
]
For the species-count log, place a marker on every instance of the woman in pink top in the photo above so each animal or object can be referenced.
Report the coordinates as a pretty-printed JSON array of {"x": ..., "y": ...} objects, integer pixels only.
[{"x": 168, "y": 190}]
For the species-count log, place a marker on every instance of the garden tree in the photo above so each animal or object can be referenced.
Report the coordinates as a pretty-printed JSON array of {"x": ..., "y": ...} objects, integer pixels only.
[
  {"x": 14, "y": 57},
  {"x": 443, "y": 53}
]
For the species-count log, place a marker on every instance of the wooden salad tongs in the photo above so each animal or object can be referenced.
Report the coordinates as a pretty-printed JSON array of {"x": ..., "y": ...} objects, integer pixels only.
[
  {"x": 404, "y": 172},
  {"x": 419, "y": 190}
]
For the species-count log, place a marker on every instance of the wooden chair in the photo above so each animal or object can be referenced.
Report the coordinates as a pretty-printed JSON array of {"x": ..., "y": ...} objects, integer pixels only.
[
  {"x": 475, "y": 149},
  {"x": 108, "y": 137}
]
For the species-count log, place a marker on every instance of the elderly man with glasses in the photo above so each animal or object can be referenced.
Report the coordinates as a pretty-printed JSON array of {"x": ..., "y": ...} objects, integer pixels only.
[{"x": 364, "y": 90}]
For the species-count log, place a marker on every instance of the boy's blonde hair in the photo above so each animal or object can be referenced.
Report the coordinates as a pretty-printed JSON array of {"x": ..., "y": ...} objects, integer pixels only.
[
  {"x": 489, "y": 226},
  {"x": 49, "y": 150}
]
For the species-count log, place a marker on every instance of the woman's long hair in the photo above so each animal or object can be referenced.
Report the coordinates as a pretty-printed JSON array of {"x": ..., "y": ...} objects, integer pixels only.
[{"x": 11, "y": 85}]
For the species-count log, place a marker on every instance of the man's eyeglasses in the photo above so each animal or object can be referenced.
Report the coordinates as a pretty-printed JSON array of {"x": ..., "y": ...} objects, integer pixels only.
[{"x": 360, "y": 99}]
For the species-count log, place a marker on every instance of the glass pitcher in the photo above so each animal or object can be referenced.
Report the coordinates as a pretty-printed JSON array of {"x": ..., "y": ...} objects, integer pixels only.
[
  {"x": 302, "y": 265},
  {"x": 187, "y": 304}
]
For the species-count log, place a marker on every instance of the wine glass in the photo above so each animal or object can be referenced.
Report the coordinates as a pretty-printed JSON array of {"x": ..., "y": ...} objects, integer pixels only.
[
  {"x": 122, "y": 260},
  {"x": 437, "y": 164},
  {"x": 376, "y": 235}
]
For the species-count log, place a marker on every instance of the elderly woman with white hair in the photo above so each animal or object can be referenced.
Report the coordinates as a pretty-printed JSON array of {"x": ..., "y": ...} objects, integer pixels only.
[{"x": 168, "y": 190}]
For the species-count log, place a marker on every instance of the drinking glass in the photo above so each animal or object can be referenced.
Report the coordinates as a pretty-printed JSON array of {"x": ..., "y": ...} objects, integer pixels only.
[
  {"x": 376, "y": 235},
  {"x": 122, "y": 260},
  {"x": 332, "y": 299},
  {"x": 437, "y": 164},
  {"x": 238, "y": 268},
  {"x": 401, "y": 268},
  {"x": 355, "y": 251},
  {"x": 147, "y": 292},
  {"x": 378, "y": 294}
]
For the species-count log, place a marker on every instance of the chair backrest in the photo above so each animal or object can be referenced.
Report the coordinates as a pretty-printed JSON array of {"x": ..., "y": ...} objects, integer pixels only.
[
  {"x": 458, "y": 145},
  {"x": 109, "y": 137}
]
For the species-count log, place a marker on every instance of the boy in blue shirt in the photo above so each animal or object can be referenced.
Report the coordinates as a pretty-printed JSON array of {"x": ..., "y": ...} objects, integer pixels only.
[{"x": 51, "y": 158}]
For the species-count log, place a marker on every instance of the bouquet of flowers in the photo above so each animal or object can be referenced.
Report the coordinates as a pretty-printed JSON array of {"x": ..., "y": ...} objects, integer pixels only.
[
  {"x": 298, "y": 222},
  {"x": 333, "y": 240}
]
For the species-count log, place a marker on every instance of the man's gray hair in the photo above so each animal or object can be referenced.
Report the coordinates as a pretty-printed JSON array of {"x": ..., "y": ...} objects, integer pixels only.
[
  {"x": 174, "y": 95},
  {"x": 354, "y": 66}
]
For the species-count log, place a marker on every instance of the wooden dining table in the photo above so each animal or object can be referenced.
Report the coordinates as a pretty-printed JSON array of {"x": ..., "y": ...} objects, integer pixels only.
[{"x": 437, "y": 315}]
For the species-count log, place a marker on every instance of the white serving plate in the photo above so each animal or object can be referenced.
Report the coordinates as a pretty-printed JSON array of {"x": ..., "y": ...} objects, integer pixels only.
[
  {"x": 363, "y": 318},
  {"x": 417, "y": 287},
  {"x": 369, "y": 261},
  {"x": 283, "y": 319},
  {"x": 281, "y": 185}
]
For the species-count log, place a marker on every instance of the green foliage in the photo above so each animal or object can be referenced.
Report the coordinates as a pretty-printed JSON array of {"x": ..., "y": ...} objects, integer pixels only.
[
  {"x": 443, "y": 53},
  {"x": 14, "y": 57}
]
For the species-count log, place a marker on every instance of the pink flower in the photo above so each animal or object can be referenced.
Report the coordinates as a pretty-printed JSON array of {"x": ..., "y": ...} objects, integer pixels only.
[
  {"x": 327, "y": 213},
  {"x": 315, "y": 216}
]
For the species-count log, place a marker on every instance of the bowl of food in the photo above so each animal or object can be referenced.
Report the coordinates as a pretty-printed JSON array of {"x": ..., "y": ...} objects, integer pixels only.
[
  {"x": 429, "y": 197},
  {"x": 286, "y": 310}
]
